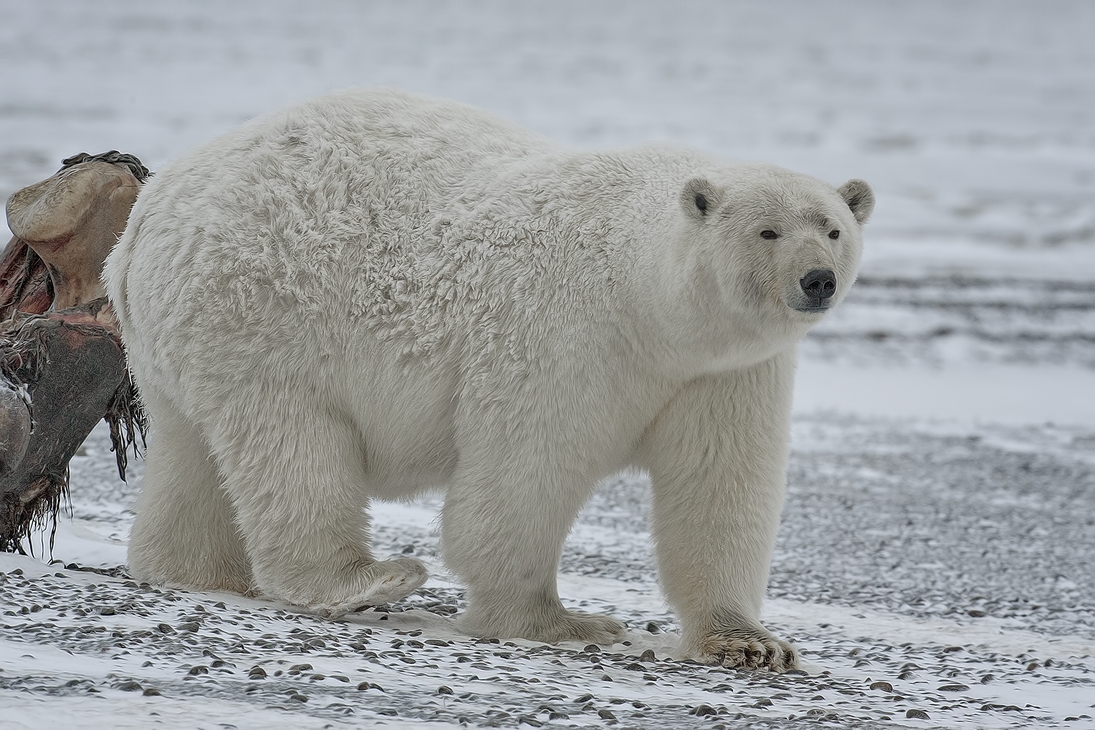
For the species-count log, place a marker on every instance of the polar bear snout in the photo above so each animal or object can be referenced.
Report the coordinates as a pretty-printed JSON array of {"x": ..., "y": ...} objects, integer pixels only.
[{"x": 819, "y": 286}]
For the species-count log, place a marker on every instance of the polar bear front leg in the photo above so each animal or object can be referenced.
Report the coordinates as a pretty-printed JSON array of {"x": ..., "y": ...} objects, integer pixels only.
[
  {"x": 296, "y": 477},
  {"x": 503, "y": 526},
  {"x": 717, "y": 456}
]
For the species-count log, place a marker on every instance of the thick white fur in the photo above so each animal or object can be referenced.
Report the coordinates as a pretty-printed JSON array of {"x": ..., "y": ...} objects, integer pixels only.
[{"x": 375, "y": 293}]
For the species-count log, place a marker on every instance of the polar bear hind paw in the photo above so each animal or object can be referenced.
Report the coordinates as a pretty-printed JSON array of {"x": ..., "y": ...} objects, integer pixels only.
[
  {"x": 550, "y": 627},
  {"x": 384, "y": 581},
  {"x": 736, "y": 650},
  {"x": 588, "y": 628}
]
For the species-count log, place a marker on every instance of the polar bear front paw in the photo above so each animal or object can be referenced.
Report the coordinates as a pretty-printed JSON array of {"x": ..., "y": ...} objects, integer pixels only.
[
  {"x": 384, "y": 581},
  {"x": 549, "y": 625},
  {"x": 749, "y": 648}
]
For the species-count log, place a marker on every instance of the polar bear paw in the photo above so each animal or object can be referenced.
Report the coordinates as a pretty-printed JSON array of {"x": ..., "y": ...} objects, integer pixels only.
[
  {"x": 550, "y": 626},
  {"x": 588, "y": 628},
  {"x": 384, "y": 581},
  {"x": 746, "y": 648}
]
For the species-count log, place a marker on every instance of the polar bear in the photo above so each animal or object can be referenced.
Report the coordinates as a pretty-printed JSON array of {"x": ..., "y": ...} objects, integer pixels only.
[{"x": 377, "y": 293}]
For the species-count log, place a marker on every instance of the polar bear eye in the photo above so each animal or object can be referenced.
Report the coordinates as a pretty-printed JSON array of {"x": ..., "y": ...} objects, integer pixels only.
[
  {"x": 770, "y": 235},
  {"x": 834, "y": 235},
  {"x": 701, "y": 203}
]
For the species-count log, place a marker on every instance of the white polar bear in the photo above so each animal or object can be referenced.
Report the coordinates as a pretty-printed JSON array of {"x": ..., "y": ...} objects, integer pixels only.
[{"x": 375, "y": 294}]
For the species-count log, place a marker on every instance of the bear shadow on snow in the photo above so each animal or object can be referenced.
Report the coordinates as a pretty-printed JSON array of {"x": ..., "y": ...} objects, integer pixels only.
[{"x": 375, "y": 293}]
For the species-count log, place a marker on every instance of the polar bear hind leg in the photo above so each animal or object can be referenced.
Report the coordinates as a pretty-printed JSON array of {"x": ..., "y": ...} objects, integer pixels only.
[
  {"x": 185, "y": 533},
  {"x": 296, "y": 476}
]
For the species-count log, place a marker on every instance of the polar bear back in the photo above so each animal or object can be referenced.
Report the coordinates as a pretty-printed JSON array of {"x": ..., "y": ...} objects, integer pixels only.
[{"x": 426, "y": 222}]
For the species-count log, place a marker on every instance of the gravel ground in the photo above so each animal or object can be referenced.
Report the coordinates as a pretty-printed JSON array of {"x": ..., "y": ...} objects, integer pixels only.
[
  {"x": 929, "y": 579},
  {"x": 942, "y": 525}
]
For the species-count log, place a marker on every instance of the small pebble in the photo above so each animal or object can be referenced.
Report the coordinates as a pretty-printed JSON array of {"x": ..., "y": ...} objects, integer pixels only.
[{"x": 955, "y": 687}]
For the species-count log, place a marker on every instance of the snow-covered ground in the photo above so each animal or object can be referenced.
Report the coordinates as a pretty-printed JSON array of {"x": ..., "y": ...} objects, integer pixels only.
[{"x": 935, "y": 561}]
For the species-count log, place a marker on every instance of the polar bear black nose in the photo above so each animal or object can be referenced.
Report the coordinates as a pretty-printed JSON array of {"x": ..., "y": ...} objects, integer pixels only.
[{"x": 819, "y": 284}]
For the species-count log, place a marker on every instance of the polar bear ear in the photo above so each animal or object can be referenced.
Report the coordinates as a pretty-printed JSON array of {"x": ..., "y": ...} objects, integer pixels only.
[
  {"x": 859, "y": 197},
  {"x": 699, "y": 198}
]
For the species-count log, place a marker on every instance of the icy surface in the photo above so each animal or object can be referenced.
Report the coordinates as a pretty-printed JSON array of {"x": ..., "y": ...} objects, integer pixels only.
[{"x": 934, "y": 563}]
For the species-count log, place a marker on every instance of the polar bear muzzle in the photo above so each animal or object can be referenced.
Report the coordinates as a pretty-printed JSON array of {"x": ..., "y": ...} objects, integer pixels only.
[{"x": 819, "y": 286}]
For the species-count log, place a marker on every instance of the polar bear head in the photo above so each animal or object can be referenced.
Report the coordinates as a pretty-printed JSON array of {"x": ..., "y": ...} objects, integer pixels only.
[{"x": 771, "y": 250}]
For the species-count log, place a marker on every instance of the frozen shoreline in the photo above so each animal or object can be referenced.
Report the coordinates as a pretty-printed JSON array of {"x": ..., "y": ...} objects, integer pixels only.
[{"x": 966, "y": 393}]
